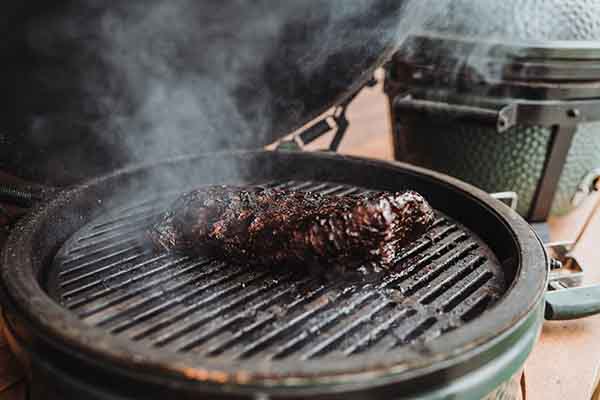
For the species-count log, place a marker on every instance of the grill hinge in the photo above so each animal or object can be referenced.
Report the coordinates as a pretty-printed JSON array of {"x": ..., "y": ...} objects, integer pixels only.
[{"x": 335, "y": 121}]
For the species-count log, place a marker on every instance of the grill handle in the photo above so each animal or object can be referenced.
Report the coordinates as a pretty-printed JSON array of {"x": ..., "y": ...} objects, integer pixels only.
[
  {"x": 502, "y": 119},
  {"x": 573, "y": 303}
]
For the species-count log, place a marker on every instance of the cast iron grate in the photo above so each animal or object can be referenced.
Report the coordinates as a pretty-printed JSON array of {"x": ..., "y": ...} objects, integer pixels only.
[{"x": 108, "y": 277}]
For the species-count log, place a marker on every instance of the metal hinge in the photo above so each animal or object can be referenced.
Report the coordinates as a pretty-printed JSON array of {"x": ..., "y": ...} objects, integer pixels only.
[
  {"x": 586, "y": 187},
  {"x": 511, "y": 199},
  {"x": 565, "y": 269},
  {"x": 336, "y": 121}
]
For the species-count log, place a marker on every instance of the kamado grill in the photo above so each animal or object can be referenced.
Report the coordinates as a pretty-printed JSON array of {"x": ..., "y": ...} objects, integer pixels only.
[
  {"x": 93, "y": 312},
  {"x": 86, "y": 303},
  {"x": 212, "y": 327}
]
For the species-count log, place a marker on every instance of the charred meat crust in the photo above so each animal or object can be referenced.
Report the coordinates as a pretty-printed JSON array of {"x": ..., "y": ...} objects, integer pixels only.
[{"x": 269, "y": 226}]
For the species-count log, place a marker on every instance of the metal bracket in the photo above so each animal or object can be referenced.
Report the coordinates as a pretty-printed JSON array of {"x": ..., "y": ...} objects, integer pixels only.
[
  {"x": 502, "y": 118},
  {"x": 586, "y": 187},
  {"x": 563, "y": 116},
  {"x": 511, "y": 199},
  {"x": 560, "y": 144},
  {"x": 500, "y": 113},
  {"x": 308, "y": 135},
  {"x": 337, "y": 121},
  {"x": 341, "y": 123},
  {"x": 565, "y": 270}
]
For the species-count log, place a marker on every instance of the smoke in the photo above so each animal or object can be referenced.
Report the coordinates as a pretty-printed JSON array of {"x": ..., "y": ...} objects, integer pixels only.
[
  {"x": 146, "y": 80},
  {"x": 497, "y": 29},
  {"x": 485, "y": 24},
  {"x": 518, "y": 20},
  {"x": 194, "y": 81},
  {"x": 177, "y": 79}
]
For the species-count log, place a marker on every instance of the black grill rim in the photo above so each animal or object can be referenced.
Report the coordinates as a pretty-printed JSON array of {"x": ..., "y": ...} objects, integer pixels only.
[
  {"x": 23, "y": 296},
  {"x": 70, "y": 282}
]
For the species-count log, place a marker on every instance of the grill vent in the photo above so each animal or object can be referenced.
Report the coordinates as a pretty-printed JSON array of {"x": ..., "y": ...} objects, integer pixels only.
[{"x": 110, "y": 279}]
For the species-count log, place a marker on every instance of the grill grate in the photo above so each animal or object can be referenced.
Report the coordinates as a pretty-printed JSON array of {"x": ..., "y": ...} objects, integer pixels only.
[{"x": 109, "y": 278}]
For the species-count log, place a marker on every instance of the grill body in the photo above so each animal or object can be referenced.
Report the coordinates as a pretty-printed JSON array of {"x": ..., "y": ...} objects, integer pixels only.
[
  {"x": 92, "y": 315},
  {"x": 538, "y": 61},
  {"x": 513, "y": 161}
]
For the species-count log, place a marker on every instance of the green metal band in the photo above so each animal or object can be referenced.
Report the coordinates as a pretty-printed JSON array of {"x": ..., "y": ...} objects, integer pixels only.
[{"x": 507, "y": 357}]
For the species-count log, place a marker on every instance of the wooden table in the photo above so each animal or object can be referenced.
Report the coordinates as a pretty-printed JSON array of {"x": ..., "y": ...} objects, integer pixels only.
[{"x": 565, "y": 362}]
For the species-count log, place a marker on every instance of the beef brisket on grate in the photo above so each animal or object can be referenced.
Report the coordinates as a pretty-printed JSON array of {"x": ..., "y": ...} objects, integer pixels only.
[{"x": 271, "y": 226}]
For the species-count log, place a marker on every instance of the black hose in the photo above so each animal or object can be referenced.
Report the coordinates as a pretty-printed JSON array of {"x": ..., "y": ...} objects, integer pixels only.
[
  {"x": 4, "y": 214},
  {"x": 18, "y": 196}
]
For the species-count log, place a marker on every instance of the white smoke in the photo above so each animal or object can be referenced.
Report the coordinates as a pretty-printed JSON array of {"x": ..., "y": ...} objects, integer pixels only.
[{"x": 160, "y": 78}]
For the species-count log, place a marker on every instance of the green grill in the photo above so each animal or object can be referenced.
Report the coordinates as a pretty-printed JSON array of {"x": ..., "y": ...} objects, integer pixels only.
[
  {"x": 509, "y": 102},
  {"x": 512, "y": 161}
]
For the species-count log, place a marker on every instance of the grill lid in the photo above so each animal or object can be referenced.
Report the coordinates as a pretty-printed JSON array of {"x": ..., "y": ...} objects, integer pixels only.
[
  {"x": 522, "y": 20},
  {"x": 475, "y": 46},
  {"x": 97, "y": 85}
]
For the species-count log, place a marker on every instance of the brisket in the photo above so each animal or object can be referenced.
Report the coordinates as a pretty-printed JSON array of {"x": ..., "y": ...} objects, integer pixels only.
[{"x": 271, "y": 227}]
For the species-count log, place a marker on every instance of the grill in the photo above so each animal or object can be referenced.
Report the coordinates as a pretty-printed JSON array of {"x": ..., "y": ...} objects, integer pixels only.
[
  {"x": 108, "y": 276},
  {"x": 99, "y": 314}
]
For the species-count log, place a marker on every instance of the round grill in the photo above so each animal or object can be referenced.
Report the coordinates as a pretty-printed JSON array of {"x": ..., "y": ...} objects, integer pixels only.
[{"x": 109, "y": 277}]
